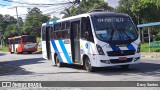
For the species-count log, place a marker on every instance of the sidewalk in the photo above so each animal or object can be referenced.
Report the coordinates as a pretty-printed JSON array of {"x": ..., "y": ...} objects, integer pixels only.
[{"x": 150, "y": 55}]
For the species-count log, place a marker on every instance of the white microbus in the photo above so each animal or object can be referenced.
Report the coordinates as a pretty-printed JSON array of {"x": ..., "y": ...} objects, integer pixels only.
[{"x": 96, "y": 39}]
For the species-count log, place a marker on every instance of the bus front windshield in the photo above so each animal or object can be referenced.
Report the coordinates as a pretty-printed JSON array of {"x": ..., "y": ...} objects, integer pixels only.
[
  {"x": 114, "y": 29},
  {"x": 29, "y": 39}
]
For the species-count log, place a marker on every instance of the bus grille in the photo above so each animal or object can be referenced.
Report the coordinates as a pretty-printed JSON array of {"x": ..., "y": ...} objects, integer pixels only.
[
  {"x": 120, "y": 61},
  {"x": 121, "y": 53}
]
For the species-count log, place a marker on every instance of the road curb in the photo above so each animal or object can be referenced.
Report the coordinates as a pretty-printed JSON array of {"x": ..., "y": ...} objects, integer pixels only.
[
  {"x": 150, "y": 55},
  {"x": 38, "y": 52}
]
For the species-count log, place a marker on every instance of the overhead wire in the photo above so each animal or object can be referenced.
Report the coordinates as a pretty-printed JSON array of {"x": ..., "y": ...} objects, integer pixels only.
[
  {"x": 51, "y": 11},
  {"x": 35, "y": 3},
  {"x": 56, "y": 10}
]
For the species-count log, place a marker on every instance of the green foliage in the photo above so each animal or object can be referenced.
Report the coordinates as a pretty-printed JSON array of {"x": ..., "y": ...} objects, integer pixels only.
[
  {"x": 88, "y": 5},
  {"x": 6, "y": 20},
  {"x": 145, "y": 48},
  {"x": 4, "y": 49},
  {"x": 146, "y": 10},
  {"x": 11, "y": 29},
  {"x": 32, "y": 24},
  {"x": 158, "y": 36},
  {"x": 66, "y": 12}
]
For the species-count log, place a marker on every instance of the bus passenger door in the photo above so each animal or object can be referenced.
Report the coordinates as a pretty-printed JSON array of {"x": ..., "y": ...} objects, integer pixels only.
[
  {"x": 48, "y": 31},
  {"x": 12, "y": 46},
  {"x": 75, "y": 43}
]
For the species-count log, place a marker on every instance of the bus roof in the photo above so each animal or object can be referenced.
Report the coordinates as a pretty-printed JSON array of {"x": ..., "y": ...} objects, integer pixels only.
[
  {"x": 113, "y": 14},
  {"x": 19, "y": 36},
  {"x": 85, "y": 15}
]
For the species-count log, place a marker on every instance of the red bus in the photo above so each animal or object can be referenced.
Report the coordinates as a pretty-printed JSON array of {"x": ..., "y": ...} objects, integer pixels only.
[{"x": 20, "y": 44}]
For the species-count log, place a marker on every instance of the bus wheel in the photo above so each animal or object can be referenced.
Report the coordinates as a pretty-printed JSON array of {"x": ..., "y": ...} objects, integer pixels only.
[
  {"x": 124, "y": 66},
  {"x": 11, "y": 52},
  {"x": 58, "y": 63},
  {"x": 87, "y": 65}
]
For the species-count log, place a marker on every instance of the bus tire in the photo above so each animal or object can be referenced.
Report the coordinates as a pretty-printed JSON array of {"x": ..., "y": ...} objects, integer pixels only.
[
  {"x": 58, "y": 63},
  {"x": 87, "y": 65},
  {"x": 124, "y": 66},
  {"x": 11, "y": 52}
]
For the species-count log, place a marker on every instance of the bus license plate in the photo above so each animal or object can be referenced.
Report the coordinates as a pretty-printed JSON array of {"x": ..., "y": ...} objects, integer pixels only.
[{"x": 122, "y": 58}]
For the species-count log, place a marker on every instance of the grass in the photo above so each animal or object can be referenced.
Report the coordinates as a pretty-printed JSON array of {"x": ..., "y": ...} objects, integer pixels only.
[
  {"x": 4, "y": 49},
  {"x": 145, "y": 48}
]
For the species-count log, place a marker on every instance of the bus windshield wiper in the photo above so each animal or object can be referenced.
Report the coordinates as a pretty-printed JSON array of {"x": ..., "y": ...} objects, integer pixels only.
[
  {"x": 113, "y": 30},
  {"x": 125, "y": 34}
]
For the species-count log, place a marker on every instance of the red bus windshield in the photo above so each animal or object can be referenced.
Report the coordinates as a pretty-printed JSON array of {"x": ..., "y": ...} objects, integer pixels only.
[{"x": 30, "y": 39}]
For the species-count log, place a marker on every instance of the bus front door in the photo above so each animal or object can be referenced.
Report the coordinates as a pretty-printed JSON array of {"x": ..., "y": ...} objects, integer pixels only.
[
  {"x": 12, "y": 47},
  {"x": 75, "y": 43},
  {"x": 48, "y": 49}
]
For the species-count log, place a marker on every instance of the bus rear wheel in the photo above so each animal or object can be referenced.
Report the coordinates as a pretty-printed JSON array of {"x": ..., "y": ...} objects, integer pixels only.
[
  {"x": 87, "y": 65},
  {"x": 58, "y": 63},
  {"x": 124, "y": 66}
]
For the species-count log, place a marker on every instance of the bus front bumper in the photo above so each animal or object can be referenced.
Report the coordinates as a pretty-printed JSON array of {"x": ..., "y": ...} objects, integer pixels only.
[{"x": 105, "y": 61}]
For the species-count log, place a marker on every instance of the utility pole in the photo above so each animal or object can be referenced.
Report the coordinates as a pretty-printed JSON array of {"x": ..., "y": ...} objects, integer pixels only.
[
  {"x": 18, "y": 28},
  {"x": 1, "y": 38}
]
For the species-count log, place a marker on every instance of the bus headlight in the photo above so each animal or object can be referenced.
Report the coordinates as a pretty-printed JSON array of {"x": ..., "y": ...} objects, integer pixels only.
[
  {"x": 139, "y": 48},
  {"x": 100, "y": 50}
]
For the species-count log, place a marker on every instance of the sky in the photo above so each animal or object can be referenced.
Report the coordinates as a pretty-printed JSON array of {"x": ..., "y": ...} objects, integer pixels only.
[{"x": 22, "y": 9}]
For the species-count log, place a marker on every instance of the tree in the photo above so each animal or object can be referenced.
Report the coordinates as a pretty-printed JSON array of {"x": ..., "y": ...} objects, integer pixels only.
[
  {"x": 7, "y": 27},
  {"x": 145, "y": 9},
  {"x": 11, "y": 30},
  {"x": 6, "y": 20},
  {"x": 125, "y": 7},
  {"x": 32, "y": 24},
  {"x": 54, "y": 18},
  {"x": 88, "y": 5},
  {"x": 66, "y": 12}
]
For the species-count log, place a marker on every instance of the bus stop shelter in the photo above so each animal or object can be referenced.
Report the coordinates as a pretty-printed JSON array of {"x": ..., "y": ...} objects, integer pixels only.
[{"x": 148, "y": 25}]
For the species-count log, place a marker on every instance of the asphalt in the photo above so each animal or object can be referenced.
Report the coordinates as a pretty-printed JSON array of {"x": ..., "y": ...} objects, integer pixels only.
[{"x": 143, "y": 54}]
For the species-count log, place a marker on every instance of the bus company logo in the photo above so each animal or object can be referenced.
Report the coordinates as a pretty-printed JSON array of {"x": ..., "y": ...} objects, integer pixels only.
[
  {"x": 6, "y": 84},
  {"x": 86, "y": 45}
]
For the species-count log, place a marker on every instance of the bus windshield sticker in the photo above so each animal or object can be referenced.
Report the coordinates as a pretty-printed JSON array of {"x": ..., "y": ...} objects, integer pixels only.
[
  {"x": 113, "y": 19},
  {"x": 101, "y": 32}
]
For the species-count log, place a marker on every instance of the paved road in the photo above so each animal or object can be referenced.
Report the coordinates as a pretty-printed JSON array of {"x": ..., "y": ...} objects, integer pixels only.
[{"x": 32, "y": 67}]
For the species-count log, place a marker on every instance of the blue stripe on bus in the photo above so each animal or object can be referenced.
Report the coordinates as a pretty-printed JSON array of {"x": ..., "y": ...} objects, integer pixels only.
[
  {"x": 131, "y": 47},
  {"x": 114, "y": 48},
  {"x": 56, "y": 50},
  {"x": 65, "y": 52}
]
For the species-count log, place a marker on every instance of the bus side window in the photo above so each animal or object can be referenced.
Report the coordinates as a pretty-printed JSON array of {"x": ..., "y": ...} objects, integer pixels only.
[
  {"x": 43, "y": 33},
  {"x": 86, "y": 30},
  {"x": 57, "y": 31}
]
